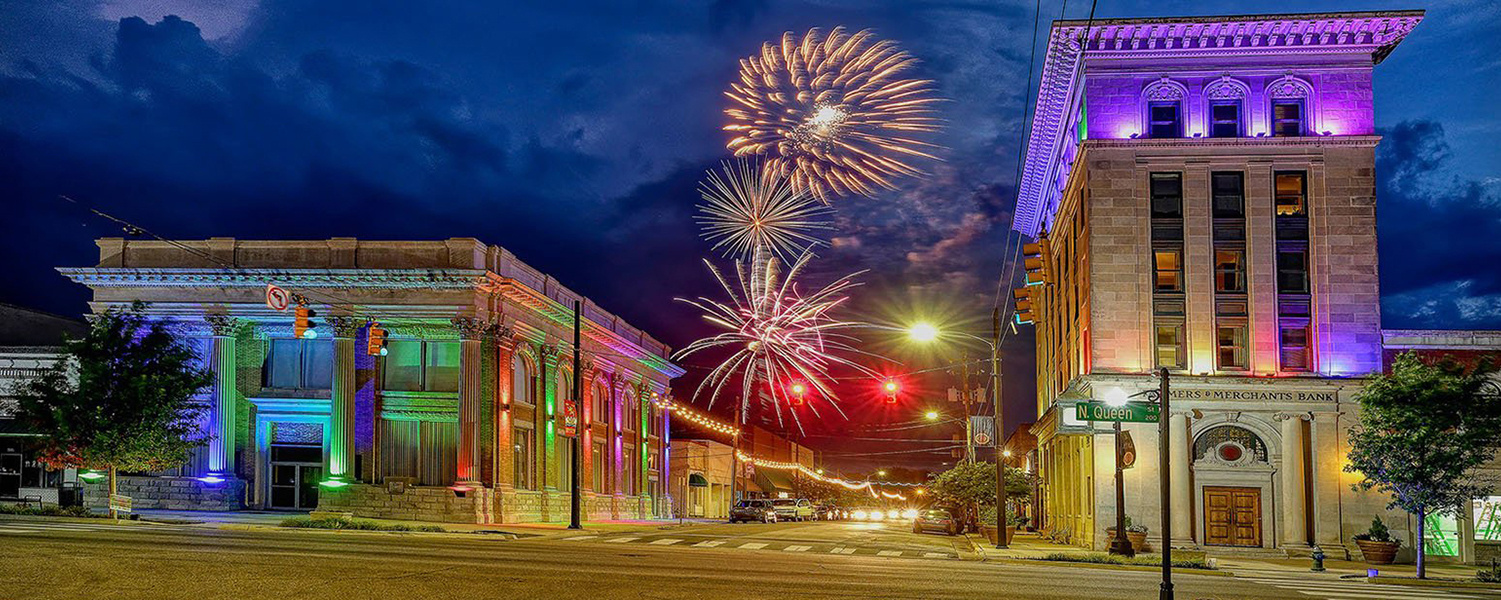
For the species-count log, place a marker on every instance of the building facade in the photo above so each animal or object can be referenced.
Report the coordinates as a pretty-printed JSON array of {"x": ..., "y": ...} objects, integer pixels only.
[
  {"x": 30, "y": 344},
  {"x": 460, "y": 418},
  {"x": 1204, "y": 191},
  {"x": 701, "y": 472}
]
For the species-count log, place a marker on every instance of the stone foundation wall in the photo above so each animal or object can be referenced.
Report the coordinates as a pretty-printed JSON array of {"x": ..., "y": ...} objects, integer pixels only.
[
  {"x": 417, "y": 503},
  {"x": 170, "y": 493}
]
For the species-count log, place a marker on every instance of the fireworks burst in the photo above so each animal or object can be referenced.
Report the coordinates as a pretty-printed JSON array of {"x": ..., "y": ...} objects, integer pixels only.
[
  {"x": 832, "y": 113},
  {"x": 749, "y": 208},
  {"x": 776, "y": 334}
]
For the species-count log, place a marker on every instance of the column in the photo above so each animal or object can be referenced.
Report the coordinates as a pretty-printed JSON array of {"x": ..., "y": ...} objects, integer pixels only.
[
  {"x": 1179, "y": 460},
  {"x": 341, "y": 412},
  {"x": 1294, "y": 524},
  {"x": 470, "y": 331},
  {"x": 221, "y": 444},
  {"x": 505, "y": 454}
]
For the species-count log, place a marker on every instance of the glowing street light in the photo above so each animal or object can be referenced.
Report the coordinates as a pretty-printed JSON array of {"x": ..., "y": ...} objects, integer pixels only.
[
  {"x": 922, "y": 331},
  {"x": 881, "y": 473},
  {"x": 931, "y": 415},
  {"x": 1006, "y": 453},
  {"x": 1116, "y": 397}
]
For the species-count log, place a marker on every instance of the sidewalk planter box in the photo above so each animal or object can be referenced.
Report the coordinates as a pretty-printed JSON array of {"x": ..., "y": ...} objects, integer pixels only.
[
  {"x": 990, "y": 533},
  {"x": 1138, "y": 539},
  {"x": 1378, "y": 553}
]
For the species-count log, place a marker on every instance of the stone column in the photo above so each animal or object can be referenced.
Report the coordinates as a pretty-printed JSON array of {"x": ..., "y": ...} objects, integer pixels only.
[
  {"x": 504, "y": 454},
  {"x": 221, "y": 359},
  {"x": 1294, "y": 515},
  {"x": 470, "y": 331},
  {"x": 341, "y": 412},
  {"x": 1178, "y": 465}
]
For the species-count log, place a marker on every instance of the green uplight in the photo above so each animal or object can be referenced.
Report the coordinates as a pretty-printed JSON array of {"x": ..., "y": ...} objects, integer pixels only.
[
  {"x": 91, "y": 475},
  {"x": 333, "y": 483}
]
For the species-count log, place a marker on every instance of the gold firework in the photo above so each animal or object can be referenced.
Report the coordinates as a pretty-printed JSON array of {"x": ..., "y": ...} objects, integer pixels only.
[
  {"x": 750, "y": 208},
  {"x": 834, "y": 114}
]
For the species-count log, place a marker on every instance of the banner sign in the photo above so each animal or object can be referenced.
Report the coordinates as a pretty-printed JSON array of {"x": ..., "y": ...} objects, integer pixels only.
[
  {"x": 119, "y": 503},
  {"x": 982, "y": 431},
  {"x": 570, "y": 418}
]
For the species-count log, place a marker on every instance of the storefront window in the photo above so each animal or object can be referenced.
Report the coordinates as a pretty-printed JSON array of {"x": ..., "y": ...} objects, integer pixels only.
[
  {"x": 1441, "y": 535},
  {"x": 1487, "y": 514}
]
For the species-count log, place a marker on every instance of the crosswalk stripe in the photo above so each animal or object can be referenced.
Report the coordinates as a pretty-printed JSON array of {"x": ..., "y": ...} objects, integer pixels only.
[
  {"x": 1346, "y": 588},
  {"x": 934, "y": 555},
  {"x": 664, "y": 542},
  {"x": 580, "y": 538},
  {"x": 796, "y": 548},
  {"x": 708, "y": 544},
  {"x": 621, "y": 540},
  {"x": 752, "y": 546},
  {"x": 889, "y": 553},
  {"x": 842, "y": 551}
]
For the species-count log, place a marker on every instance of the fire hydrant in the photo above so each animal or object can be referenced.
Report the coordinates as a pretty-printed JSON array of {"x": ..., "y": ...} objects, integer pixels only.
[{"x": 1318, "y": 559}]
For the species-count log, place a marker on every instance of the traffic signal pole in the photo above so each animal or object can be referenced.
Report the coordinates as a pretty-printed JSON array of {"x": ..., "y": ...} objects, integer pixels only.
[{"x": 1166, "y": 591}]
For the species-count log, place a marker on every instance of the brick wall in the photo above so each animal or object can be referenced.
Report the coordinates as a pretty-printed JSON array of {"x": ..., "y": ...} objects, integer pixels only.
[
  {"x": 416, "y": 503},
  {"x": 171, "y": 493}
]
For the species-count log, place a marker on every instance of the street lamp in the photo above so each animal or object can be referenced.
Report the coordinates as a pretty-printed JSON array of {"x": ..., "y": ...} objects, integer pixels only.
[
  {"x": 922, "y": 331},
  {"x": 931, "y": 415}
]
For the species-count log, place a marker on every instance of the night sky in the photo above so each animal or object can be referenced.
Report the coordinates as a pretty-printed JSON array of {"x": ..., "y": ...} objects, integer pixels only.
[{"x": 574, "y": 134}]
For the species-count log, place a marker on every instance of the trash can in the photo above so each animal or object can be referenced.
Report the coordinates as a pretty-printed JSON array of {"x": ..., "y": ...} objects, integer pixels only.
[{"x": 70, "y": 495}]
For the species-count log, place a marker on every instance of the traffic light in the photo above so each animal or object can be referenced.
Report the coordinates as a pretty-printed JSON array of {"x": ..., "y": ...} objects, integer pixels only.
[
  {"x": 891, "y": 387},
  {"x": 304, "y": 326},
  {"x": 1036, "y": 257},
  {"x": 377, "y": 342},
  {"x": 798, "y": 389},
  {"x": 1023, "y": 298}
]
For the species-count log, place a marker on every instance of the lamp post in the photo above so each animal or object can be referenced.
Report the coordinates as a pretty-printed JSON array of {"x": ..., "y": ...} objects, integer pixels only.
[
  {"x": 1162, "y": 398},
  {"x": 1119, "y": 544}
]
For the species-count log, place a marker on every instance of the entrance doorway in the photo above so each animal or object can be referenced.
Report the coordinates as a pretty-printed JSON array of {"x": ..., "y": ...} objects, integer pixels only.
[
  {"x": 295, "y": 473},
  {"x": 1232, "y": 516}
]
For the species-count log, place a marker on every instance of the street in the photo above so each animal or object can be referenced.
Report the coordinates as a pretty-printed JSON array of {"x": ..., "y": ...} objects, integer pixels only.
[{"x": 47, "y": 559}]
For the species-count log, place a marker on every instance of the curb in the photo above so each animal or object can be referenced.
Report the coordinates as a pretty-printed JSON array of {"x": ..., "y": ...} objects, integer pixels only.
[
  {"x": 256, "y": 527},
  {"x": 92, "y": 520}
]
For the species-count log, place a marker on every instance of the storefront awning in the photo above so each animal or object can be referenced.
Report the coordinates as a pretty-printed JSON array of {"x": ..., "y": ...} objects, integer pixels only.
[
  {"x": 772, "y": 481},
  {"x": 697, "y": 480}
]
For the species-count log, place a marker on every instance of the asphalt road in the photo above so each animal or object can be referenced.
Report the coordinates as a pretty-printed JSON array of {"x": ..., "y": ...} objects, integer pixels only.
[{"x": 87, "y": 561}]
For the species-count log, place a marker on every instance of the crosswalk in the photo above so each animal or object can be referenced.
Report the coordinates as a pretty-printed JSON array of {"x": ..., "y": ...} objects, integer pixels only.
[
  {"x": 801, "y": 547},
  {"x": 1330, "y": 587},
  {"x": 17, "y": 527}
]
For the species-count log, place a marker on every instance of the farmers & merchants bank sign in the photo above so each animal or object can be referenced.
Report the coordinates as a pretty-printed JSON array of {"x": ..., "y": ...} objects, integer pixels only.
[{"x": 1244, "y": 395}]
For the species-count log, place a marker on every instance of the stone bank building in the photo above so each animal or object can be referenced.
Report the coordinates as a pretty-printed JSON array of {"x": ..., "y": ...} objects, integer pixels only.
[
  {"x": 460, "y": 420},
  {"x": 1206, "y": 190}
]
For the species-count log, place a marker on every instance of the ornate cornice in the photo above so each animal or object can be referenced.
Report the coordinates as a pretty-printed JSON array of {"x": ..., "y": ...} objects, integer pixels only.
[
  {"x": 470, "y": 328},
  {"x": 426, "y": 279}
]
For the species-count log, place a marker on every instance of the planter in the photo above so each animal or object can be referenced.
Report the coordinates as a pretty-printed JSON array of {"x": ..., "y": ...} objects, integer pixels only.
[
  {"x": 990, "y": 533},
  {"x": 1138, "y": 539},
  {"x": 1010, "y": 534},
  {"x": 1378, "y": 553}
]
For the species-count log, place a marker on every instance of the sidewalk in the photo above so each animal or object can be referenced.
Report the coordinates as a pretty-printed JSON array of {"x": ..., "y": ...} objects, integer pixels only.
[{"x": 248, "y": 518}]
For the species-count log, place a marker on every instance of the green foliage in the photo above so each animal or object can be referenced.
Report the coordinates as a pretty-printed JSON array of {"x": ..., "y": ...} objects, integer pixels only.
[
  {"x": 1378, "y": 532},
  {"x": 1491, "y": 575},
  {"x": 1423, "y": 432},
  {"x": 121, "y": 397},
  {"x": 356, "y": 525},
  {"x": 988, "y": 514},
  {"x": 974, "y": 483},
  {"x": 50, "y": 510},
  {"x": 1101, "y": 558}
]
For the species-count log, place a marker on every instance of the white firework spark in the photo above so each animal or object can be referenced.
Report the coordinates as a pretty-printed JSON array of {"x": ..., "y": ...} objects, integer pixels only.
[
  {"x": 749, "y": 208},
  {"x": 775, "y": 334},
  {"x": 834, "y": 113}
]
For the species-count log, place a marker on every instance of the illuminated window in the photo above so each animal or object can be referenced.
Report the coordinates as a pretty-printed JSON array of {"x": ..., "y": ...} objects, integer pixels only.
[
  {"x": 1170, "y": 346},
  {"x": 600, "y": 404},
  {"x": 1292, "y": 194},
  {"x": 1167, "y": 268},
  {"x": 524, "y": 443},
  {"x": 598, "y": 458},
  {"x": 1231, "y": 343},
  {"x": 299, "y": 364},
  {"x": 1230, "y": 271},
  {"x": 629, "y": 471},
  {"x": 1287, "y": 118},
  {"x": 1294, "y": 347},
  {"x": 1166, "y": 121},
  {"x": 521, "y": 382},
  {"x": 1224, "y": 119}
]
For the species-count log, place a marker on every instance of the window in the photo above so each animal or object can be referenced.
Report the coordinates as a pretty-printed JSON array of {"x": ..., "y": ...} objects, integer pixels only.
[
  {"x": 599, "y": 459},
  {"x": 1287, "y": 118},
  {"x": 1167, "y": 196},
  {"x": 1292, "y": 194},
  {"x": 521, "y": 382},
  {"x": 631, "y": 413},
  {"x": 1294, "y": 347},
  {"x": 299, "y": 364},
  {"x": 1230, "y": 271},
  {"x": 1170, "y": 346},
  {"x": 565, "y": 463},
  {"x": 1164, "y": 120},
  {"x": 630, "y": 470},
  {"x": 600, "y": 404},
  {"x": 1229, "y": 191},
  {"x": 418, "y": 366},
  {"x": 524, "y": 442},
  {"x": 1224, "y": 119},
  {"x": 1232, "y": 346},
  {"x": 1292, "y": 271},
  {"x": 1167, "y": 268}
]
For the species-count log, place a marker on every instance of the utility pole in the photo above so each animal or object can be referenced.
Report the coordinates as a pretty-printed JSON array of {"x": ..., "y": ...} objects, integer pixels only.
[
  {"x": 735, "y": 454},
  {"x": 1166, "y": 591},
  {"x": 995, "y": 393},
  {"x": 578, "y": 409},
  {"x": 965, "y": 396}
]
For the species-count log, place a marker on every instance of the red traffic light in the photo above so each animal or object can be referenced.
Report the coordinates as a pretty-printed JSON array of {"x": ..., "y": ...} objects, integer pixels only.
[
  {"x": 891, "y": 386},
  {"x": 799, "y": 389}
]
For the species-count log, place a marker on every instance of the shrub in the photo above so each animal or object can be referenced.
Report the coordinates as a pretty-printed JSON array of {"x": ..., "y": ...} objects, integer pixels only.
[
  {"x": 50, "y": 510},
  {"x": 1111, "y": 559},
  {"x": 1377, "y": 533},
  {"x": 356, "y": 525}
]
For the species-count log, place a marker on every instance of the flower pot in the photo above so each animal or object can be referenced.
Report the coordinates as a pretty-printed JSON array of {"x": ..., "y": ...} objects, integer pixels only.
[
  {"x": 1138, "y": 540},
  {"x": 1378, "y": 553},
  {"x": 990, "y": 533},
  {"x": 1010, "y": 534}
]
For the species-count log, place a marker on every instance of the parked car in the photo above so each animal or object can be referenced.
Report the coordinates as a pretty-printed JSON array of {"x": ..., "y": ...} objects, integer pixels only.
[
  {"x": 793, "y": 510},
  {"x": 937, "y": 520},
  {"x": 753, "y": 510},
  {"x": 828, "y": 512}
]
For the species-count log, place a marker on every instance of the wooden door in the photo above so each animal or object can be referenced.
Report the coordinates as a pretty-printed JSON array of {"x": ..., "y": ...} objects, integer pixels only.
[{"x": 1232, "y": 516}]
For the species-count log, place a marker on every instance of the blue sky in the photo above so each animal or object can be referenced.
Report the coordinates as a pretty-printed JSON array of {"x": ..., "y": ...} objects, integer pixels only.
[{"x": 574, "y": 134}]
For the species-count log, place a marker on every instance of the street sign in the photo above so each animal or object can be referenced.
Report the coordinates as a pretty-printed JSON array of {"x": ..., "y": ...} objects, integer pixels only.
[
  {"x": 276, "y": 298},
  {"x": 119, "y": 503},
  {"x": 1128, "y": 450},
  {"x": 1130, "y": 413},
  {"x": 570, "y": 418},
  {"x": 982, "y": 429}
]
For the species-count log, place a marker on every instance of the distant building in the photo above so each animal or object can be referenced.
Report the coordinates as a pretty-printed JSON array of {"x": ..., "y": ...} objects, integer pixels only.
[
  {"x": 462, "y": 419},
  {"x": 30, "y": 343},
  {"x": 701, "y": 478},
  {"x": 1206, "y": 190}
]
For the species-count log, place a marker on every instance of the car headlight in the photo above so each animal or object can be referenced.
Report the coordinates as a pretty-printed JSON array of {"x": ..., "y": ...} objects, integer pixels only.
[
  {"x": 910, "y": 513},
  {"x": 877, "y": 515},
  {"x": 860, "y": 515}
]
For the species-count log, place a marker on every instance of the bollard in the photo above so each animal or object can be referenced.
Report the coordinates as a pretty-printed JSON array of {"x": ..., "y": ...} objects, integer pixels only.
[{"x": 1318, "y": 559}]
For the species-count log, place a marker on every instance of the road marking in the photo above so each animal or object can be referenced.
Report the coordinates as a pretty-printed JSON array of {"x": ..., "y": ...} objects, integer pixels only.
[
  {"x": 664, "y": 542},
  {"x": 889, "y": 553},
  {"x": 796, "y": 548},
  {"x": 842, "y": 551},
  {"x": 934, "y": 555},
  {"x": 1332, "y": 589},
  {"x": 580, "y": 538},
  {"x": 621, "y": 540},
  {"x": 752, "y": 546},
  {"x": 709, "y": 544}
]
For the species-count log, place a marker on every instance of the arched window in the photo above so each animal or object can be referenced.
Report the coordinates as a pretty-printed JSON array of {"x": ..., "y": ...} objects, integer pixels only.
[
  {"x": 1291, "y": 99},
  {"x": 600, "y": 403},
  {"x": 523, "y": 431},
  {"x": 521, "y": 381},
  {"x": 1163, "y": 103},
  {"x": 564, "y": 454},
  {"x": 1231, "y": 445},
  {"x": 1226, "y": 99}
]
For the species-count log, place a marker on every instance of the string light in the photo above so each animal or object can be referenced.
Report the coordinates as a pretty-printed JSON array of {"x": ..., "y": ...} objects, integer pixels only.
[{"x": 699, "y": 419}]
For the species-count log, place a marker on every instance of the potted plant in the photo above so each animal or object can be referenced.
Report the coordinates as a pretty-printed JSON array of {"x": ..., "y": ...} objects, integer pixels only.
[
  {"x": 1376, "y": 544},
  {"x": 988, "y": 523},
  {"x": 1136, "y": 534}
]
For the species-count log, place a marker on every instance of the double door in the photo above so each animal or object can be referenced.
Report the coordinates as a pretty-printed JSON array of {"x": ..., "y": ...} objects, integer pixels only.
[
  {"x": 295, "y": 474},
  {"x": 1232, "y": 516}
]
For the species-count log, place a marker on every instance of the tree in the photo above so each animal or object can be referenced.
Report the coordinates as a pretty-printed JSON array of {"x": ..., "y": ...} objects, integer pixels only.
[
  {"x": 1424, "y": 430},
  {"x": 121, "y": 397},
  {"x": 971, "y": 485}
]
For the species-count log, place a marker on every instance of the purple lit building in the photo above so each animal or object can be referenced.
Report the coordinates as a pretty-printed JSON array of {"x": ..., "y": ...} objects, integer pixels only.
[{"x": 1205, "y": 195}]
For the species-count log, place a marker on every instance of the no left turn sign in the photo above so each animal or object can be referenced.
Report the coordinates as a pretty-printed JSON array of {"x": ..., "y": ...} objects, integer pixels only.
[{"x": 277, "y": 298}]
